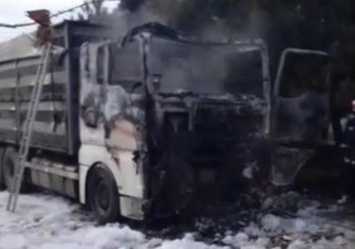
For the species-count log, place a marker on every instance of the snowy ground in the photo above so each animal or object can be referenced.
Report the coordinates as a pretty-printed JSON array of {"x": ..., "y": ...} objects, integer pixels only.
[{"x": 44, "y": 221}]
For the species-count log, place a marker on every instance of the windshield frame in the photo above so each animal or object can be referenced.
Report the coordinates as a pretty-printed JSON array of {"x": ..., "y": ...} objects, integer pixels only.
[
  {"x": 257, "y": 44},
  {"x": 277, "y": 85},
  {"x": 239, "y": 46},
  {"x": 144, "y": 43}
]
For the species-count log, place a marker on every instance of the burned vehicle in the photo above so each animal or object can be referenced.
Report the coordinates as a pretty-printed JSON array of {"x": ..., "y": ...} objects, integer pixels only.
[
  {"x": 152, "y": 124},
  {"x": 184, "y": 114},
  {"x": 146, "y": 126}
]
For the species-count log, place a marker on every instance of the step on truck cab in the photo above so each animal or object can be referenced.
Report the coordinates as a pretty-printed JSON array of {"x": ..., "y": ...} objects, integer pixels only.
[{"x": 147, "y": 125}]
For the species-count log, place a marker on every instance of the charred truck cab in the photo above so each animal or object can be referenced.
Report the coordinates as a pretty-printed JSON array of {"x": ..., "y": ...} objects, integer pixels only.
[{"x": 173, "y": 119}]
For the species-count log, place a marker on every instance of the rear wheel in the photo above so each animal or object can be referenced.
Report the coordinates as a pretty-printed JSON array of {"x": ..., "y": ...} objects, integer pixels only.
[
  {"x": 8, "y": 165},
  {"x": 103, "y": 195}
]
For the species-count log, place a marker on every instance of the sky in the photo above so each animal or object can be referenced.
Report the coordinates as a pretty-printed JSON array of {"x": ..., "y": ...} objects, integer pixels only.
[{"x": 14, "y": 11}]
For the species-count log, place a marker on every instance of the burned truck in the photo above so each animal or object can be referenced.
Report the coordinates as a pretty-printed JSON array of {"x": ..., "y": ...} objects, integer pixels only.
[{"x": 144, "y": 126}]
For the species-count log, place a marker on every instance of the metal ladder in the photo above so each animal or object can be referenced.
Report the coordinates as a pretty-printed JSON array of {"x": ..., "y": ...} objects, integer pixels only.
[{"x": 28, "y": 127}]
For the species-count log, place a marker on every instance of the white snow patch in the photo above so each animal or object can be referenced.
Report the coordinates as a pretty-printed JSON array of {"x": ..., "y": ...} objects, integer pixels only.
[
  {"x": 186, "y": 243},
  {"x": 49, "y": 222},
  {"x": 271, "y": 222},
  {"x": 253, "y": 230},
  {"x": 298, "y": 244}
]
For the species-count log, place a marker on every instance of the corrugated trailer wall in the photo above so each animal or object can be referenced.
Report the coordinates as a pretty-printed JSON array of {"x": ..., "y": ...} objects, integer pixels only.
[
  {"x": 56, "y": 126},
  {"x": 16, "y": 83}
]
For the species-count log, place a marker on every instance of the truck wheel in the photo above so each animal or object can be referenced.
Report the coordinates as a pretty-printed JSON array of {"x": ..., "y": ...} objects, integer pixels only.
[
  {"x": 103, "y": 194},
  {"x": 8, "y": 165},
  {"x": 2, "y": 179}
]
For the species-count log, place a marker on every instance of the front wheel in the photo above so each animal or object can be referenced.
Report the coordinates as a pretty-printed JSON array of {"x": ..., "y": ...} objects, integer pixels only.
[{"x": 103, "y": 194}]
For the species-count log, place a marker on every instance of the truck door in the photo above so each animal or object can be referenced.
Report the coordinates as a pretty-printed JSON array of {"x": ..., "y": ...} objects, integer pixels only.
[
  {"x": 112, "y": 117},
  {"x": 300, "y": 111},
  {"x": 301, "y": 98}
]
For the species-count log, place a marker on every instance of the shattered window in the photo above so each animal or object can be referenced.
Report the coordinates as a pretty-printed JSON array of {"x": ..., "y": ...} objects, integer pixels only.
[
  {"x": 303, "y": 73},
  {"x": 244, "y": 74},
  {"x": 126, "y": 65},
  {"x": 206, "y": 68}
]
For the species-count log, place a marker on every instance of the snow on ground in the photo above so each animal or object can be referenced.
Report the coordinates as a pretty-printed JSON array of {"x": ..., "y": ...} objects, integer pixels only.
[{"x": 49, "y": 222}]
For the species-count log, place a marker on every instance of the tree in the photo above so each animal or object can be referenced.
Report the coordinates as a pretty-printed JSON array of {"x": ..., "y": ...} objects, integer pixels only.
[
  {"x": 93, "y": 11},
  {"x": 130, "y": 5}
]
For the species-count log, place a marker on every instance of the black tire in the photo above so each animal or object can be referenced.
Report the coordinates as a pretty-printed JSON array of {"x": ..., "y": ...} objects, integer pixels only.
[
  {"x": 8, "y": 165},
  {"x": 103, "y": 195},
  {"x": 2, "y": 179}
]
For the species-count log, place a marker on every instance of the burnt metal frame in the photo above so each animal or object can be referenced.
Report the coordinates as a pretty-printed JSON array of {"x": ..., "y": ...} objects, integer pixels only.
[
  {"x": 283, "y": 62},
  {"x": 276, "y": 90},
  {"x": 253, "y": 45},
  {"x": 146, "y": 31},
  {"x": 244, "y": 47},
  {"x": 276, "y": 96},
  {"x": 144, "y": 41}
]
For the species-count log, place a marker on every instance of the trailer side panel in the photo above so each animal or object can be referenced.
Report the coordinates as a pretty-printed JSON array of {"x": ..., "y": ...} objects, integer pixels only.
[{"x": 56, "y": 126}]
